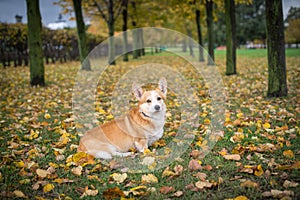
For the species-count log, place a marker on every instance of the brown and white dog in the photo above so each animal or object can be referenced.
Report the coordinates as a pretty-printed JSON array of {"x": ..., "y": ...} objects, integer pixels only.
[{"x": 142, "y": 126}]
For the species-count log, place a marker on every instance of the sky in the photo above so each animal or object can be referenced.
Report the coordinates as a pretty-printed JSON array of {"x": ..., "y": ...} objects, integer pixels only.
[{"x": 10, "y": 8}]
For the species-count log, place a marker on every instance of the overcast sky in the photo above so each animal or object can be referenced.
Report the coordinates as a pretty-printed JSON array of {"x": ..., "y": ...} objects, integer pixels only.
[{"x": 50, "y": 12}]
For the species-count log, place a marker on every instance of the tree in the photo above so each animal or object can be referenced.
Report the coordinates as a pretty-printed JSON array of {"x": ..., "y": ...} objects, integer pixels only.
[
  {"x": 82, "y": 45},
  {"x": 114, "y": 9},
  {"x": 230, "y": 37},
  {"x": 292, "y": 32},
  {"x": 199, "y": 33},
  {"x": 124, "y": 29},
  {"x": 251, "y": 21},
  {"x": 209, "y": 21},
  {"x": 277, "y": 85},
  {"x": 37, "y": 73}
]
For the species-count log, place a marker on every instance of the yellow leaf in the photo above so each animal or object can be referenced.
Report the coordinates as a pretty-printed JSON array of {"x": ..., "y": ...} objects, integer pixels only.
[
  {"x": 288, "y": 153},
  {"x": 109, "y": 117},
  {"x": 138, "y": 188},
  {"x": 259, "y": 171},
  {"x": 47, "y": 116},
  {"x": 206, "y": 121},
  {"x": 149, "y": 178},
  {"x": 249, "y": 184},
  {"x": 168, "y": 172},
  {"x": 19, "y": 164},
  {"x": 266, "y": 125},
  {"x": 19, "y": 194},
  {"x": 240, "y": 115},
  {"x": 240, "y": 198},
  {"x": 48, "y": 187},
  {"x": 119, "y": 178}
]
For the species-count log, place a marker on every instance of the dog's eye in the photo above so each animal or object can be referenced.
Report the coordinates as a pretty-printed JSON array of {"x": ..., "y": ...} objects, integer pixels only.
[
  {"x": 158, "y": 98},
  {"x": 148, "y": 101}
]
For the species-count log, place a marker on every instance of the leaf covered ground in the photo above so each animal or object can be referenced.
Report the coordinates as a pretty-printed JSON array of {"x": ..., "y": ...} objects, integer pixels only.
[{"x": 256, "y": 156}]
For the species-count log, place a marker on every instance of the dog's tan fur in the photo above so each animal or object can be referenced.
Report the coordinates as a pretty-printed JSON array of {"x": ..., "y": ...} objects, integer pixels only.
[{"x": 133, "y": 130}]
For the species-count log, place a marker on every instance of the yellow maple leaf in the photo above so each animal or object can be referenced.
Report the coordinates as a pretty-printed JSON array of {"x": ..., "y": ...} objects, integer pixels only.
[{"x": 48, "y": 187}]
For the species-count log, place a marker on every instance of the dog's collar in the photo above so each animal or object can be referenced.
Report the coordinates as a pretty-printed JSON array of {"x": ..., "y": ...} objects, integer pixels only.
[{"x": 145, "y": 115}]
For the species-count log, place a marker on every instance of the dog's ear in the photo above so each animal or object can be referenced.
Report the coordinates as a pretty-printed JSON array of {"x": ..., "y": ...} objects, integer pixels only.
[
  {"x": 137, "y": 90},
  {"x": 162, "y": 85}
]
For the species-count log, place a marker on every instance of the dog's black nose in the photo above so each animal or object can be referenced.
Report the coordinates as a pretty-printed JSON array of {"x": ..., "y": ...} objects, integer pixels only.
[{"x": 156, "y": 107}]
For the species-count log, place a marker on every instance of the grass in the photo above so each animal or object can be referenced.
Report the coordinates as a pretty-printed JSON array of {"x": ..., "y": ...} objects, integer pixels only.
[
  {"x": 258, "y": 53},
  {"x": 31, "y": 140}
]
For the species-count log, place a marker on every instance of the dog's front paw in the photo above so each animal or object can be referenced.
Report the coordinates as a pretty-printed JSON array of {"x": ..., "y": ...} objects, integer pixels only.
[{"x": 141, "y": 145}]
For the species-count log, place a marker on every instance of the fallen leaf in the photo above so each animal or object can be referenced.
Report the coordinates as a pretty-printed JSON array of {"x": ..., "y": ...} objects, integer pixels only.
[
  {"x": 166, "y": 189},
  {"x": 194, "y": 165},
  {"x": 236, "y": 157},
  {"x": 119, "y": 178},
  {"x": 266, "y": 125},
  {"x": 240, "y": 198},
  {"x": 77, "y": 170},
  {"x": 258, "y": 171},
  {"x": 19, "y": 194},
  {"x": 113, "y": 193},
  {"x": 249, "y": 184},
  {"x": 89, "y": 192},
  {"x": 178, "y": 194},
  {"x": 149, "y": 178},
  {"x": 48, "y": 187},
  {"x": 201, "y": 176},
  {"x": 42, "y": 173},
  {"x": 168, "y": 172},
  {"x": 203, "y": 184},
  {"x": 288, "y": 184},
  {"x": 288, "y": 153}
]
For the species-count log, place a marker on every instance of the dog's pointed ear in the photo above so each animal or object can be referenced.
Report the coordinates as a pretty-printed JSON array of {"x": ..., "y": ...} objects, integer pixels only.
[
  {"x": 162, "y": 85},
  {"x": 137, "y": 90}
]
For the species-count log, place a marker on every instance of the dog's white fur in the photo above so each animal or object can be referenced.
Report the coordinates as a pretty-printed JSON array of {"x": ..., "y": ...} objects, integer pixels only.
[{"x": 141, "y": 127}]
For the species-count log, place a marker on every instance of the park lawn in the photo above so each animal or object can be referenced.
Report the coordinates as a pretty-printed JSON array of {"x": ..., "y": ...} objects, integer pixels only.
[
  {"x": 257, "y": 53},
  {"x": 39, "y": 138}
]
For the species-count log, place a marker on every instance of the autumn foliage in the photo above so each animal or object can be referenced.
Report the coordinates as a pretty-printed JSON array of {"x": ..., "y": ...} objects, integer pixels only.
[{"x": 256, "y": 156}]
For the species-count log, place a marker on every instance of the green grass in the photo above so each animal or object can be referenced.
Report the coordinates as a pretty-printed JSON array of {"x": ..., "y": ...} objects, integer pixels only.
[
  {"x": 258, "y": 53},
  {"x": 23, "y": 110}
]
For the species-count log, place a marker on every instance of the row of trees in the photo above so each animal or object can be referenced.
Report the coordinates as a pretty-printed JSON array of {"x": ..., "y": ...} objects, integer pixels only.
[
  {"x": 188, "y": 14},
  {"x": 58, "y": 45}
]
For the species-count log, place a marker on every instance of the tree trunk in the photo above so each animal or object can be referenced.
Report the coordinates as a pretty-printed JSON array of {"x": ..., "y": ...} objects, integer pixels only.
[
  {"x": 82, "y": 44},
  {"x": 277, "y": 85},
  {"x": 209, "y": 21},
  {"x": 184, "y": 46},
  {"x": 189, "y": 32},
  {"x": 37, "y": 73},
  {"x": 111, "y": 30},
  {"x": 124, "y": 28},
  {"x": 135, "y": 39},
  {"x": 200, "y": 42},
  {"x": 230, "y": 37}
]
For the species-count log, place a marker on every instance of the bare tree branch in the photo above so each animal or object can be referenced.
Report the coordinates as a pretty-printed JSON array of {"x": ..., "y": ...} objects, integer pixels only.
[
  {"x": 101, "y": 11},
  {"x": 119, "y": 7}
]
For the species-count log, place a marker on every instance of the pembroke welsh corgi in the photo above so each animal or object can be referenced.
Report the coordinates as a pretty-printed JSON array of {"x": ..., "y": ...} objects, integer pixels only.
[{"x": 142, "y": 126}]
